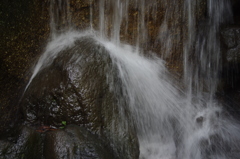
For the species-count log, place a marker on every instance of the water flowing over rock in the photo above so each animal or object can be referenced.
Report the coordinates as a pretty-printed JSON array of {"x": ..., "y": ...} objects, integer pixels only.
[
  {"x": 72, "y": 87},
  {"x": 231, "y": 50},
  {"x": 122, "y": 79}
]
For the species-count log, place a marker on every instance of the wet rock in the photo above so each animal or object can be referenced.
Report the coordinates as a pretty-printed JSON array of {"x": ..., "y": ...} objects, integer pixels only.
[
  {"x": 55, "y": 96},
  {"x": 231, "y": 37},
  {"x": 27, "y": 145},
  {"x": 75, "y": 142},
  {"x": 230, "y": 75},
  {"x": 74, "y": 88},
  {"x": 231, "y": 40},
  {"x": 70, "y": 142},
  {"x": 200, "y": 119},
  {"x": 233, "y": 55}
]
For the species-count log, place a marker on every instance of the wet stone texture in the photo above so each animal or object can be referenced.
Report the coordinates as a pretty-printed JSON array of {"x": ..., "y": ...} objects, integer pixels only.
[
  {"x": 231, "y": 52},
  {"x": 74, "y": 88},
  {"x": 26, "y": 144},
  {"x": 162, "y": 22},
  {"x": 54, "y": 96},
  {"x": 70, "y": 142},
  {"x": 75, "y": 142},
  {"x": 24, "y": 26}
]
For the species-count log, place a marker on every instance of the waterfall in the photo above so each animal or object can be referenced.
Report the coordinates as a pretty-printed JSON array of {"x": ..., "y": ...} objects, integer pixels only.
[
  {"x": 202, "y": 55},
  {"x": 175, "y": 119},
  {"x": 60, "y": 17}
]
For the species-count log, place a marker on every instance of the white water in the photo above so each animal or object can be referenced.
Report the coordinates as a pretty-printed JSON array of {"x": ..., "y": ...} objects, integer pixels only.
[
  {"x": 172, "y": 123},
  {"x": 168, "y": 127}
]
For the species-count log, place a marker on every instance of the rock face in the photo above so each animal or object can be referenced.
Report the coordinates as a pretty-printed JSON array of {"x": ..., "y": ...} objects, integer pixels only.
[
  {"x": 231, "y": 40},
  {"x": 27, "y": 144},
  {"x": 71, "y": 142},
  {"x": 74, "y": 88},
  {"x": 75, "y": 142}
]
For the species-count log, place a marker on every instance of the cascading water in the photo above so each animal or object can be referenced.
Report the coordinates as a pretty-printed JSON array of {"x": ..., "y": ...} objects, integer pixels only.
[{"x": 172, "y": 123}]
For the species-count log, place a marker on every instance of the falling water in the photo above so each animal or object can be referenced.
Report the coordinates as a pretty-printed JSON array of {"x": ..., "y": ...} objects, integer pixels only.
[
  {"x": 173, "y": 122},
  {"x": 203, "y": 49}
]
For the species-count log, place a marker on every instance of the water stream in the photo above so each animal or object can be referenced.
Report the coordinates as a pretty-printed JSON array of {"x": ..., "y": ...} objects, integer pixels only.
[{"x": 175, "y": 119}]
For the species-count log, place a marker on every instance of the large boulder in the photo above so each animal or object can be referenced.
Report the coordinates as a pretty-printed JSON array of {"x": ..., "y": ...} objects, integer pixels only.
[
  {"x": 54, "y": 96},
  {"x": 75, "y": 87}
]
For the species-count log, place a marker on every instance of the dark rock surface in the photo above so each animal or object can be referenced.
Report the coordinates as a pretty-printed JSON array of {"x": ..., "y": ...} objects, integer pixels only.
[
  {"x": 27, "y": 144},
  {"x": 75, "y": 142},
  {"x": 74, "y": 88},
  {"x": 71, "y": 142},
  {"x": 231, "y": 37}
]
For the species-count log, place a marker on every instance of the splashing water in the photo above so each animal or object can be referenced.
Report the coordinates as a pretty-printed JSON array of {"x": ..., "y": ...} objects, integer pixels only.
[
  {"x": 167, "y": 126},
  {"x": 172, "y": 123}
]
